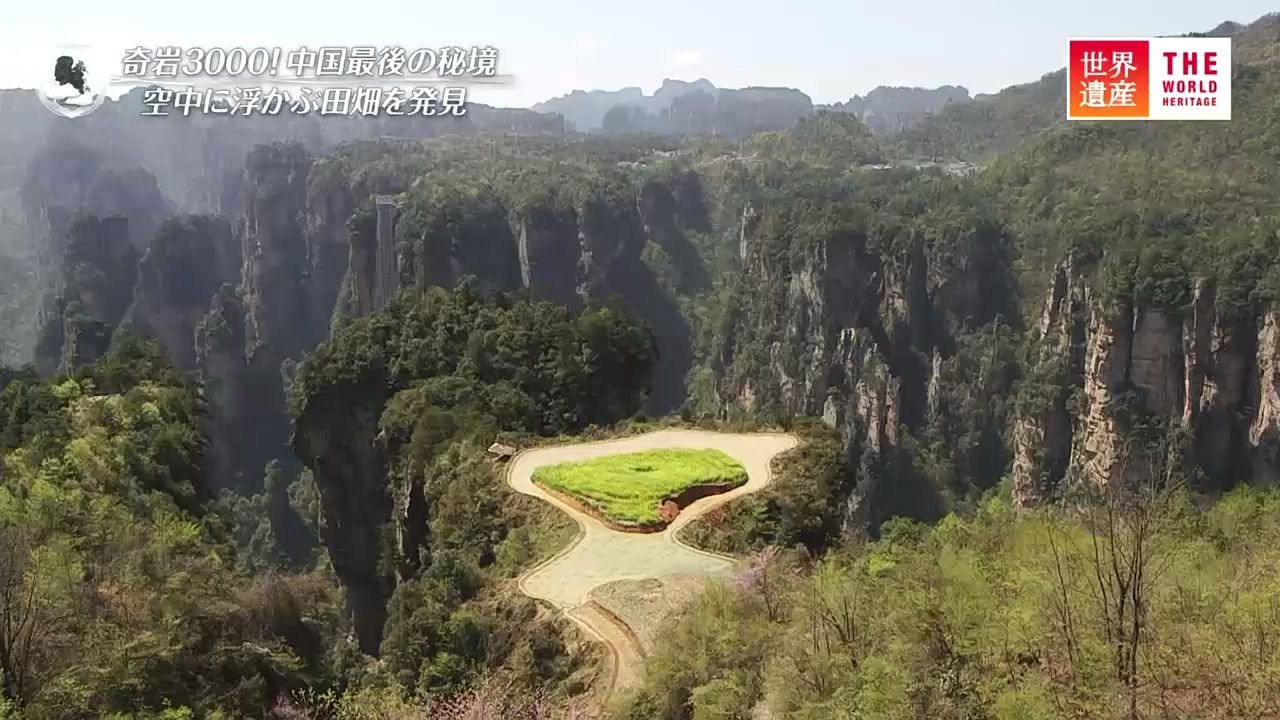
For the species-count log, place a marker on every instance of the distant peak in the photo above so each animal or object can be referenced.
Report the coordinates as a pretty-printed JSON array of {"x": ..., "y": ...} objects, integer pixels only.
[
  {"x": 1226, "y": 28},
  {"x": 700, "y": 83}
]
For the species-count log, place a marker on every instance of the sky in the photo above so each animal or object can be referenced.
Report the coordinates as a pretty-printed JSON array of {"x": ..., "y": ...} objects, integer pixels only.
[{"x": 830, "y": 49}]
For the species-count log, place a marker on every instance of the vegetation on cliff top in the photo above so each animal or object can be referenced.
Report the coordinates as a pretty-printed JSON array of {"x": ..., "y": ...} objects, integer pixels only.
[{"x": 435, "y": 377}]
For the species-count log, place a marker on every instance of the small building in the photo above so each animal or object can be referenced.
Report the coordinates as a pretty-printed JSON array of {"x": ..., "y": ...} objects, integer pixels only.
[{"x": 500, "y": 451}]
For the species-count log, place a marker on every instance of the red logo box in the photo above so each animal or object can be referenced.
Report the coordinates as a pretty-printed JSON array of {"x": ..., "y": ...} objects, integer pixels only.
[{"x": 1108, "y": 79}]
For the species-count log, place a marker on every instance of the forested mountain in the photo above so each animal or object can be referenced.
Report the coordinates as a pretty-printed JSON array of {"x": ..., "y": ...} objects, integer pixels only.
[{"x": 1039, "y": 405}]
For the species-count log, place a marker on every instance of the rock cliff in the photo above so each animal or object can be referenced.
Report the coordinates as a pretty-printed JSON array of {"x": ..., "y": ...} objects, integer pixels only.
[
  {"x": 1202, "y": 369},
  {"x": 99, "y": 267},
  {"x": 64, "y": 178},
  {"x": 339, "y": 443},
  {"x": 188, "y": 261},
  {"x": 570, "y": 246},
  {"x": 829, "y": 320},
  {"x": 274, "y": 251}
]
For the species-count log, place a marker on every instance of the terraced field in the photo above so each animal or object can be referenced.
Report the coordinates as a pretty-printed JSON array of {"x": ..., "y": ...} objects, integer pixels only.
[
  {"x": 629, "y": 489},
  {"x": 602, "y": 554}
]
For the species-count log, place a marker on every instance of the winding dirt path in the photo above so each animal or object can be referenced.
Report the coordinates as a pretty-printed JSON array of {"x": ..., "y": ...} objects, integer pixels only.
[{"x": 601, "y": 554}]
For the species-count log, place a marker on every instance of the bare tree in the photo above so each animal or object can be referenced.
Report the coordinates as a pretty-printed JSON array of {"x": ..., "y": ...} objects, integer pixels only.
[
  {"x": 759, "y": 577},
  {"x": 20, "y": 614},
  {"x": 496, "y": 697},
  {"x": 488, "y": 698},
  {"x": 1124, "y": 556},
  {"x": 831, "y": 640}
]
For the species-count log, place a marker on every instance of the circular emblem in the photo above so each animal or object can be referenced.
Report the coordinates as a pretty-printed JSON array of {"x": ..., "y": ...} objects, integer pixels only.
[{"x": 76, "y": 81}]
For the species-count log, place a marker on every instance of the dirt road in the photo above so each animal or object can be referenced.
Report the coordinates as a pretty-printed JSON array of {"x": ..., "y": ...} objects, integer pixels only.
[{"x": 600, "y": 554}]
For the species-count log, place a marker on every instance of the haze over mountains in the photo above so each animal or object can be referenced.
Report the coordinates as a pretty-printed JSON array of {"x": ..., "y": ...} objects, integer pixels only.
[{"x": 699, "y": 107}]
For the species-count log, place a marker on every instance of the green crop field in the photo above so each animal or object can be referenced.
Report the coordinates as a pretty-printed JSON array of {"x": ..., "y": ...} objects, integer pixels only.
[{"x": 627, "y": 488}]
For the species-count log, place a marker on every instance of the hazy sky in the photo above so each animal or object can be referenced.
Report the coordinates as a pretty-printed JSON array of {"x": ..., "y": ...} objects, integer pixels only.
[{"x": 831, "y": 49}]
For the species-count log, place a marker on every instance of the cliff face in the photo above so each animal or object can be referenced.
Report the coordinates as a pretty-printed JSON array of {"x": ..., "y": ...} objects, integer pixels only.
[
  {"x": 219, "y": 354},
  {"x": 1200, "y": 369},
  {"x": 591, "y": 252},
  {"x": 330, "y": 204},
  {"x": 188, "y": 261},
  {"x": 274, "y": 250},
  {"x": 1042, "y": 428},
  {"x": 293, "y": 247},
  {"x": 569, "y": 250},
  {"x": 99, "y": 267},
  {"x": 1097, "y": 454},
  {"x": 824, "y": 322},
  {"x": 69, "y": 177},
  {"x": 1263, "y": 438},
  {"x": 572, "y": 252},
  {"x": 667, "y": 216},
  {"x": 236, "y": 305},
  {"x": 549, "y": 252},
  {"x": 85, "y": 264},
  {"x": 340, "y": 445}
]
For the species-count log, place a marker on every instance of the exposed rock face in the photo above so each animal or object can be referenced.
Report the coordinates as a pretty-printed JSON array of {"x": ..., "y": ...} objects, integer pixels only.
[
  {"x": 1223, "y": 362},
  {"x": 94, "y": 163},
  {"x": 549, "y": 251},
  {"x": 482, "y": 245},
  {"x": 63, "y": 181},
  {"x": 629, "y": 278},
  {"x": 592, "y": 252},
  {"x": 1203, "y": 369},
  {"x": 351, "y": 473},
  {"x": 329, "y": 207},
  {"x": 665, "y": 221},
  {"x": 608, "y": 233},
  {"x": 1155, "y": 361},
  {"x": 1197, "y": 350},
  {"x": 825, "y": 326},
  {"x": 293, "y": 246},
  {"x": 68, "y": 178},
  {"x": 188, "y": 261},
  {"x": 1043, "y": 430},
  {"x": 247, "y": 425},
  {"x": 99, "y": 268},
  {"x": 1097, "y": 455},
  {"x": 356, "y": 297},
  {"x": 274, "y": 251},
  {"x": 219, "y": 348},
  {"x": 1264, "y": 431},
  {"x": 386, "y": 264},
  {"x": 570, "y": 253},
  {"x": 691, "y": 204}
]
